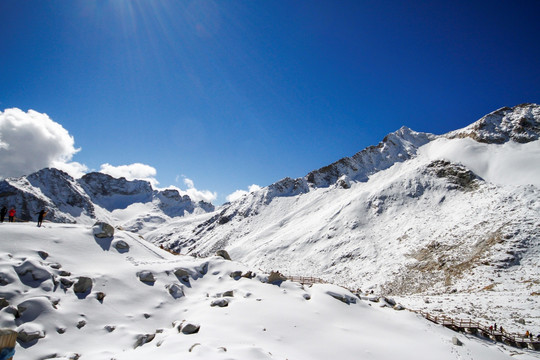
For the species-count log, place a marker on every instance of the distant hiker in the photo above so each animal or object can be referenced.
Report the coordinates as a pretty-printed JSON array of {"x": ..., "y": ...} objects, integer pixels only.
[
  {"x": 502, "y": 330},
  {"x": 42, "y": 213},
  {"x": 527, "y": 333},
  {"x": 3, "y": 213},
  {"x": 12, "y": 214},
  {"x": 495, "y": 326},
  {"x": 491, "y": 328}
]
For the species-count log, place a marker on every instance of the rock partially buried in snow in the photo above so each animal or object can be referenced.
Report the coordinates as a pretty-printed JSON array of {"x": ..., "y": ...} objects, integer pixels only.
[
  {"x": 146, "y": 276},
  {"x": 83, "y": 285},
  {"x": 143, "y": 339},
  {"x": 344, "y": 298},
  {"x": 220, "y": 303},
  {"x": 30, "y": 333},
  {"x": 456, "y": 341},
  {"x": 175, "y": 290},
  {"x": 182, "y": 275},
  {"x": 103, "y": 230},
  {"x": 190, "y": 328},
  {"x": 121, "y": 245},
  {"x": 224, "y": 254},
  {"x": 36, "y": 270}
]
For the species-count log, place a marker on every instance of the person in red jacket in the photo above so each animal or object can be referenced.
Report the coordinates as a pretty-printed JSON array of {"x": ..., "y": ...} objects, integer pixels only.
[{"x": 12, "y": 214}]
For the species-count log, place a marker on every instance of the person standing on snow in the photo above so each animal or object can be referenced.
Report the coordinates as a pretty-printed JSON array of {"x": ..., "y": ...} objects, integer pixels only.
[
  {"x": 12, "y": 213},
  {"x": 3, "y": 213},
  {"x": 42, "y": 213}
]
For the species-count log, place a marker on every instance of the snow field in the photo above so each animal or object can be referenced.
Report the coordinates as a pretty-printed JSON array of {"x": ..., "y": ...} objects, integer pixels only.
[{"x": 261, "y": 321}]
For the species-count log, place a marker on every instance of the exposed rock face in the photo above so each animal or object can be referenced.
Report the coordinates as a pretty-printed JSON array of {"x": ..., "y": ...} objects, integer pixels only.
[
  {"x": 49, "y": 189},
  {"x": 395, "y": 147},
  {"x": 68, "y": 200},
  {"x": 520, "y": 124},
  {"x": 456, "y": 174},
  {"x": 111, "y": 193}
]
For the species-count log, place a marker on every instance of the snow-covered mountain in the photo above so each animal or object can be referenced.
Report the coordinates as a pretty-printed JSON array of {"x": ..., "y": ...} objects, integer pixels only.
[
  {"x": 135, "y": 205},
  {"x": 418, "y": 215}
]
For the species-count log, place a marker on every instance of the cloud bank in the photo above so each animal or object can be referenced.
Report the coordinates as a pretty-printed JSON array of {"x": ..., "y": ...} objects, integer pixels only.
[
  {"x": 136, "y": 171},
  {"x": 198, "y": 195},
  {"x": 239, "y": 193},
  {"x": 30, "y": 141}
]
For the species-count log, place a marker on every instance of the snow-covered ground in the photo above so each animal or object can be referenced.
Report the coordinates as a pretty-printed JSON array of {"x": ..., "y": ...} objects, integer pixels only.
[{"x": 141, "y": 320}]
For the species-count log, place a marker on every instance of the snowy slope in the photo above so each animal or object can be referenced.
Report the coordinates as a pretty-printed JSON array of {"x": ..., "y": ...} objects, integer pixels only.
[
  {"x": 140, "y": 320},
  {"x": 447, "y": 217}
]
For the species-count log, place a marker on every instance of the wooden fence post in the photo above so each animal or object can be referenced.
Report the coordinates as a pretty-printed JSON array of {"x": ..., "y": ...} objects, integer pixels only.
[{"x": 7, "y": 343}]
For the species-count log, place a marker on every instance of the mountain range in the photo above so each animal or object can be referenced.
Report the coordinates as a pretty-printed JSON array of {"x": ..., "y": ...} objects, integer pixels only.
[{"x": 429, "y": 219}]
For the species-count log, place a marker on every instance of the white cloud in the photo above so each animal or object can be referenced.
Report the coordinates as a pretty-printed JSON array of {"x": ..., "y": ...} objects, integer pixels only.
[
  {"x": 198, "y": 195},
  {"x": 30, "y": 141},
  {"x": 193, "y": 193},
  {"x": 239, "y": 193},
  {"x": 131, "y": 172}
]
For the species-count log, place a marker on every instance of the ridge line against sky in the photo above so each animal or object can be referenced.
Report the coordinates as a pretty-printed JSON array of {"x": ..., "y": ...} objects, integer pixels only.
[{"x": 229, "y": 94}]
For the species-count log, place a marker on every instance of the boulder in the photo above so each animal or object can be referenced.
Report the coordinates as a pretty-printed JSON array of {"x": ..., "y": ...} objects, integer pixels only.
[
  {"x": 224, "y": 254},
  {"x": 389, "y": 301},
  {"x": 121, "y": 245},
  {"x": 146, "y": 276},
  {"x": 344, "y": 298},
  {"x": 276, "y": 278},
  {"x": 143, "y": 339},
  {"x": 5, "y": 279},
  {"x": 229, "y": 293},
  {"x": 3, "y": 303},
  {"x": 175, "y": 290},
  {"x": 182, "y": 275},
  {"x": 456, "y": 341},
  {"x": 66, "y": 282},
  {"x": 32, "y": 270},
  {"x": 103, "y": 230},
  {"x": 83, "y": 285},
  {"x": 110, "y": 328},
  {"x": 29, "y": 335},
  {"x": 220, "y": 303},
  {"x": 190, "y": 328},
  {"x": 236, "y": 274}
]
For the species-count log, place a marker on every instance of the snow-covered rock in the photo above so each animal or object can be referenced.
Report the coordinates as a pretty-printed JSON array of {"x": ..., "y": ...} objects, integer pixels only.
[{"x": 103, "y": 230}]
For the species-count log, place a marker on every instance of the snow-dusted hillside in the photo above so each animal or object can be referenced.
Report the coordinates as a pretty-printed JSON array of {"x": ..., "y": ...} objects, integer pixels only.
[
  {"x": 135, "y": 205},
  {"x": 444, "y": 220},
  {"x": 71, "y": 295}
]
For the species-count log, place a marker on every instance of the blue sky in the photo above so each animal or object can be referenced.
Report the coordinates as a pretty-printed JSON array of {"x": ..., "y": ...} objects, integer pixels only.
[{"x": 234, "y": 93}]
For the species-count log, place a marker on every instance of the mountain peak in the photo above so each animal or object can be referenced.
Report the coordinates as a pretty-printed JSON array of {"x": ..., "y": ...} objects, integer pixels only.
[{"x": 520, "y": 123}]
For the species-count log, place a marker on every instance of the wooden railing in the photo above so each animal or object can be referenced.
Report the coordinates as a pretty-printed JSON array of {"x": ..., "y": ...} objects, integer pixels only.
[{"x": 475, "y": 327}]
